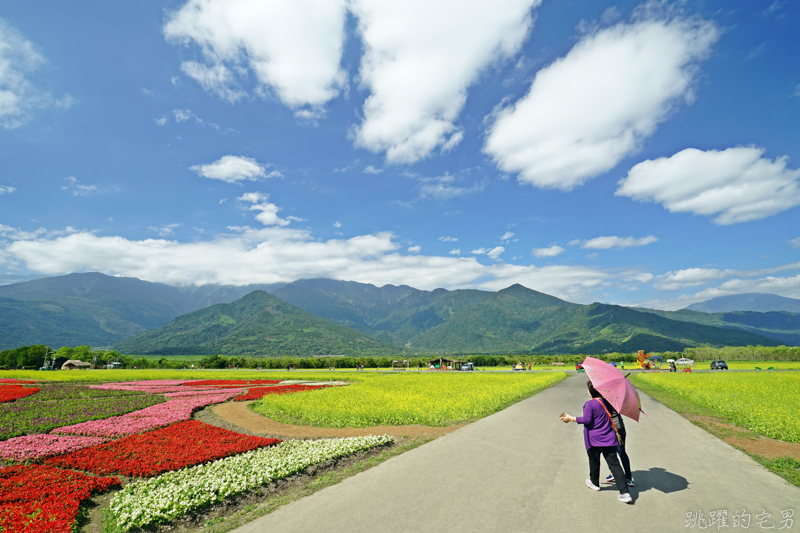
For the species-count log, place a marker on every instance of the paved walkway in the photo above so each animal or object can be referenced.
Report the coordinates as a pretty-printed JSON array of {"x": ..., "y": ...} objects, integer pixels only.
[{"x": 523, "y": 470}]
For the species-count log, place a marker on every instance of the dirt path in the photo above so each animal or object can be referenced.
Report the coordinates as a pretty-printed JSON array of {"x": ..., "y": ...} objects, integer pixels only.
[
  {"x": 239, "y": 414},
  {"x": 746, "y": 439}
]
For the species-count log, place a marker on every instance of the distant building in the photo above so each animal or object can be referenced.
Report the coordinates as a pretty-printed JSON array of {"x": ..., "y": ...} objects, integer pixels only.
[{"x": 73, "y": 364}]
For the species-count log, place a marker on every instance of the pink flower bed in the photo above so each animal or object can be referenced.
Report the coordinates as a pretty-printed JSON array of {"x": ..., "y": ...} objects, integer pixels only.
[
  {"x": 184, "y": 393},
  {"x": 155, "y": 416},
  {"x": 36, "y": 446}
]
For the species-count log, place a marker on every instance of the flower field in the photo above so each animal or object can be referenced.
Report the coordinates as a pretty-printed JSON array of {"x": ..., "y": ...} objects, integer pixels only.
[
  {"x": 143, "y": 429},
  {"x": 138, "y": 429},
  {"x": 171, "y": 448},
  {"x": 432, "y": 399},
  {"x": 15, "y": 392},
  {"x": 174, "y": 494},
  {"x": 766, "y": 403},
  {"x": 43, "y": 498},
  {"x": 31, "y": 447},
  {"x": 260, "y": 392},
  {"x": 58, "y": 405}
]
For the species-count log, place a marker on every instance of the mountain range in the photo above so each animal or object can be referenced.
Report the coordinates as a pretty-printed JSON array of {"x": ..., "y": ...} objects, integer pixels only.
[
  {"x": 323, "y": 316},
  {"x": 751, "y": 301}
]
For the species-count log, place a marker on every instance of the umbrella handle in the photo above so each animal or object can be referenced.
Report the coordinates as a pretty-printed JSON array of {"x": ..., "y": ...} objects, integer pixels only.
[{"x": 626, "y": 375}]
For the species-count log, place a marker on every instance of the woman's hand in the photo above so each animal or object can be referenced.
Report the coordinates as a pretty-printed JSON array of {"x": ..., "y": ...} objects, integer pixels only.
[{"x": 567, "y": 418}]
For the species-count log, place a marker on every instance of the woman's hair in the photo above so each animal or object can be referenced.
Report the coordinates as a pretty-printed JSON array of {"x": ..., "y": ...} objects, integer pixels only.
[{"x": 592, "y": 391}]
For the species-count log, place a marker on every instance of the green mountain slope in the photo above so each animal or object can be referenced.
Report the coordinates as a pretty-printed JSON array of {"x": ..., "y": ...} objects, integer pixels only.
[
  {"x": 780, "y": 326},
  {"x": 257, "y": 324},
  {"x": 753, "y": 301},
  {"x": 394, "y": 314},
  {"x": 518, "y": 320},
  {"x": 54, "y": 324},
  {"x": 98, "y": 310}
]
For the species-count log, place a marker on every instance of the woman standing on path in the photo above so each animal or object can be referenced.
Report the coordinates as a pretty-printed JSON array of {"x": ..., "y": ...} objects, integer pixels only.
[{"x": 600, "y": 438}]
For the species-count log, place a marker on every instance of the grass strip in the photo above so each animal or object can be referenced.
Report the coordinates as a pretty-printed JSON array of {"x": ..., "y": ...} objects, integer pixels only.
[{"x": 785, "y": 467}]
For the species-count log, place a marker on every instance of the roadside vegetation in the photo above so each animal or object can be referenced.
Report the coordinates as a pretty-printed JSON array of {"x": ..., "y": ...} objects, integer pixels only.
[{"x": 765, "y": 403}]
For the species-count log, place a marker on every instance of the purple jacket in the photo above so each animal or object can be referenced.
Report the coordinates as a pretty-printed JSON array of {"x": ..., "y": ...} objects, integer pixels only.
[{"x": 597, "y": 428}]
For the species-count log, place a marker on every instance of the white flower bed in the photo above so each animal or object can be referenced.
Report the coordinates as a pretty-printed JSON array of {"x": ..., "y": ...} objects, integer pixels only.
[{"x": 174, "y": 494}]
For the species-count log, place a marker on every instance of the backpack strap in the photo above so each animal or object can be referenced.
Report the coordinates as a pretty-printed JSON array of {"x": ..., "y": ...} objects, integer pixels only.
[{"x": 614, "y": 427}]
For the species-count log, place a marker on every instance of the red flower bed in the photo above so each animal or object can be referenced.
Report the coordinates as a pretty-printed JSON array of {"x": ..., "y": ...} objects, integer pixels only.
[
  {"x": 42, "y": 498},
  {"x": 170, "y": 448},
  {"x": 230, "y": 382},
  {"x": 6, "y": 380},
  {"x": 255, "y": 394},
  {"x": 15, "y": 392}
]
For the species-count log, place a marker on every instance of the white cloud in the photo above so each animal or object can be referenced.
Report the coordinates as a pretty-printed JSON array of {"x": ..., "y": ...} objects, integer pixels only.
[
  {"x": 214, "y": 79},
  {"x": 550, "y": 251},
  {"x": 689, "y": 277},
  {"x": 77, "y": 188},
  {"x": 337, "y": 224},
  {"x": 591, "y": 108},
  {"x": 736, "y": 185},
  {"x": 795, "y": 242},
  {"x": 454, "y": 251},
  {"x": 293, "y": 49},
  {"x": 161, "y": 121},
  {"x": 493, "y": 253},
  {"x": 372, "y": 170},
  {"x": 612, "y": 241},
  {"x": 448, "y": 239},
  {"x": 6, "y": 189},
  {"x": 415, "y": 249},
  {"x": 506, "y": 236},
  {"x": 234, "y": 168},
  {"x": 268, "y": 212},
  {"x": 796, "y": 90},
  {"x": 18, "y": 234},
  {"x": 18, "y": 95},
  {"x": 442, "y": 188},
  {"x": 420, "y": 57},
  {"x": 165, "y": 230},
  {"x": 280, "y": 254}
]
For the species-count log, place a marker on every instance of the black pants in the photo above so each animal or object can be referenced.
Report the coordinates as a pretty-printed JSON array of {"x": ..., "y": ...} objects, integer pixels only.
[{"x": 610, "y": 453}]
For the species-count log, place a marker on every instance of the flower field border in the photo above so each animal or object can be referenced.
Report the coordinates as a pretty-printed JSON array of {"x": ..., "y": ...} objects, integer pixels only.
[
  {"x": 171, "y": 495},
  {"x": 43, "y": 499},
  {"x": 171, "y": 448},
  {"x": 9, "y": 393},
  {"x": 260, "y": 392}
]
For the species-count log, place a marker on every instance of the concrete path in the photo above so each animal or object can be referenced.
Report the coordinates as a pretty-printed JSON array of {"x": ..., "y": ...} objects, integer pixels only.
[{"x": 523, "y": 470}]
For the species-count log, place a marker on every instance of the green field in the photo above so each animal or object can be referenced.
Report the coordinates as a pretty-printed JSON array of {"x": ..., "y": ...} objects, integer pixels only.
[
  {"x": 428, "y": 398},
  {"x": 766, "y": 403}
]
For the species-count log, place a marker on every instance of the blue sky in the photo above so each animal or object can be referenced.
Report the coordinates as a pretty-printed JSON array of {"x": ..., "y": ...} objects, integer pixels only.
[{"x": 624, "y": 152}]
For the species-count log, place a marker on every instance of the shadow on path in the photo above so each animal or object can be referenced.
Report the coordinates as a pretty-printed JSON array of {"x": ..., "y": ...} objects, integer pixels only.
[{"x": 659, "y": 479}]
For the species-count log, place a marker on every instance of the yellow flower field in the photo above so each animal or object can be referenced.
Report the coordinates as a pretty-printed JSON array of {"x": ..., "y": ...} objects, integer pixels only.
[
  {"x": 432, "y": 399},
  {"x": 767, "y": 403}
]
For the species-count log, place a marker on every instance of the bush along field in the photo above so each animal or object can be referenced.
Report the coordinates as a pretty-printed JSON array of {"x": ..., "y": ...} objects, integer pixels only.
[{"x": 62, "y": 443}]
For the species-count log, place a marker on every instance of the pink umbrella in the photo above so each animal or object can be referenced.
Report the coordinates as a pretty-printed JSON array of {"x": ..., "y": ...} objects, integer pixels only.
[{"x": 612, "y": 385}]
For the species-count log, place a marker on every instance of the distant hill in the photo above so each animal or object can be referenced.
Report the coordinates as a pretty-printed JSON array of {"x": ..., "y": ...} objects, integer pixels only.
[
  {"x": 394, "y": 314},
  {"x": 257, "y": 324},
  {"x": 780, "y": 326},
  {"x": 758, "y": 302},
  {"x": 98, "y": 310},
  {"x": 519, "y": 320}
]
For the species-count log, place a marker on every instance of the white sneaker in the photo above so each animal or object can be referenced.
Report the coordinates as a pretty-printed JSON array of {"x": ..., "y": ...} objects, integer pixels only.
[
  {"x": 591, "y": 485},
  {"x": 625, "y": 498}
]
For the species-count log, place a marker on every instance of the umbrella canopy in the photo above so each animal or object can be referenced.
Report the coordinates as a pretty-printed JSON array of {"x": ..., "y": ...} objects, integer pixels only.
[{"x": 613, "y": 386}]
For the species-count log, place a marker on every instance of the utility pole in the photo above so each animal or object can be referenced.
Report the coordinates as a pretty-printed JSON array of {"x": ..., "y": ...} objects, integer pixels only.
[{"x": 47, "y": 352}]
